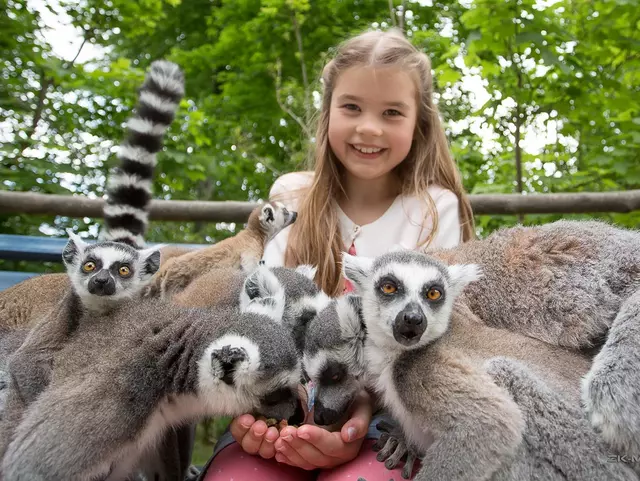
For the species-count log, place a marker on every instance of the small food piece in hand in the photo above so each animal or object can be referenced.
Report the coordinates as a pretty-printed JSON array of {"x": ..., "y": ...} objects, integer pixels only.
[
  {"x": 282, "y": 424},
  {"x": 271, "y": 422}
]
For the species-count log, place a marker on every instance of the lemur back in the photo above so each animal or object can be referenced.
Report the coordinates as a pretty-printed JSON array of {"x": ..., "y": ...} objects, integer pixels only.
[
  {"x": 242, "y": 251},
  {"x": 579, "y": 271}
]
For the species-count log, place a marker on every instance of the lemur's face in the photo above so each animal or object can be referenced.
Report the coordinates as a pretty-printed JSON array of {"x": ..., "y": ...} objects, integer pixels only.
[
  {"x": 274, "y": 217},
  {"x": 333, "y": 358},
  {"x": 255, "y": 367},
  {"x": 407, "y": 296},
  {"x": 108, "y": 269}
]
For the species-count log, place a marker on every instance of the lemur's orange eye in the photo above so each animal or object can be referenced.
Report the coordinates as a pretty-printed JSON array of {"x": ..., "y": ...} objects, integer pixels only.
[
  {"x": 388, "y": 288},
  {"x": 434, "y": 294},
  {"x": 89, "y": 266},
  {"x": 124, "y": 271}
]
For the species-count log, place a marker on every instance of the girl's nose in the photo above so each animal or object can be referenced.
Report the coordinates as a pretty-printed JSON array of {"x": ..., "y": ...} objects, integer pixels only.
[{"x": 369, "y": 127}]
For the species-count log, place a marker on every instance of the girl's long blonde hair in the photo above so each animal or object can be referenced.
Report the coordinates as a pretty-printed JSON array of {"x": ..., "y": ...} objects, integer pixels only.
[{"x": 315, "y": 236}]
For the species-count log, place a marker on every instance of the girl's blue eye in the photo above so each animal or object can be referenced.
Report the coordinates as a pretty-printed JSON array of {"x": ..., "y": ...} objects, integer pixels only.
[
  {"x": 393, "y": 112},
  {"x": 351, "y": 107}
]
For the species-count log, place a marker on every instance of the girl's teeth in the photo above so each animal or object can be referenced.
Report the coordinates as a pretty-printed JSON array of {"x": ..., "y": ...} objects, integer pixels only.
[{"x": 368, "y": 150}]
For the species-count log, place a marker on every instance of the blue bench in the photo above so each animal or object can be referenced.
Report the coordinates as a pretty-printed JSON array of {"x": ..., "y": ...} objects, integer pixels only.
[{"x": 43, "y": 249}]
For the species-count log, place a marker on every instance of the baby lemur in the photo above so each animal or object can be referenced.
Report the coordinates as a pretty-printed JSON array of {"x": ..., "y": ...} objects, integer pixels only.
[
  {"x": 245, "y": 249},
  {"x": 107, "y": 272},
  {"x": 429, "y": 358},
  {"x": 146, "y": 367}
]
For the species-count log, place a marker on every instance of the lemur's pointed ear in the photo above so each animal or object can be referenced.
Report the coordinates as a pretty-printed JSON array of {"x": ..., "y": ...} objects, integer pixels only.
[
  {"x": 349, "y": 309},
  {"x": 356, "y": 269},
  {"x": 267, "y": 213},
  {"x": 150, "y": 262},
  {"x": 463, "y": 274},
  {"x": 225, "y": 360},
  {"x": 263, "y": 294},
  {"x": 307, "y": 270},
  {"x": 232, "y": 359},
  {"x": 74, "y": 247}
]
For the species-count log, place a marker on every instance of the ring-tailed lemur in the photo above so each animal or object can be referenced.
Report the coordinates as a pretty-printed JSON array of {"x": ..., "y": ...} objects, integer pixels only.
[
  {"x": 145, "y": 367},
  {"x": 427, "y": 359},
  {"x": 116, "y": 268},
  {"x": 94, "y": 270},
  {"x": 333, "y": 358},
  {"x": 573, "y": 284},
  {"x": 244, "y": 250}
]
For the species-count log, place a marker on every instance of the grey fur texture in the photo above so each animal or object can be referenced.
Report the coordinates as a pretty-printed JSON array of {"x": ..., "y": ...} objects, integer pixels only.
[
  {"x": 146, "y": 367},
  {"x": 426, "y": 355},
  {"x": 562, "y": 282},
  {"x": 611, "y": 389},
  {"x": 558, "y": 443},
  {"x": 568, "y": 283}
]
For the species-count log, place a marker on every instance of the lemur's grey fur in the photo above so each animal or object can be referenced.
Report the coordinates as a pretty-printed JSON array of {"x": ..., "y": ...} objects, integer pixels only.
[
  {"x": 552, "y": 422},
  {"x": 612, "y": 386},
  {"x": 148, "y": 366},
  {"x": 302, "y": 297},
  {"x": 426, "y": 356},
  {"x": 568, "y": 283},
  {"x": 126, "y": 211},
  {"x": 562, "y": 282},
  {"x": 333, "y": 357}
]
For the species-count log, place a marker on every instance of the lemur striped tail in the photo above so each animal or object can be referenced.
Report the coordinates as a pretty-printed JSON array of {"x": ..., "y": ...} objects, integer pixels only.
[{"x": 126, "y": 210}]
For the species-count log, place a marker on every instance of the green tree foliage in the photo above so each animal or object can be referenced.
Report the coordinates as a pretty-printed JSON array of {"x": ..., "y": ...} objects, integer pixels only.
[{"x": 560, "y": 113}]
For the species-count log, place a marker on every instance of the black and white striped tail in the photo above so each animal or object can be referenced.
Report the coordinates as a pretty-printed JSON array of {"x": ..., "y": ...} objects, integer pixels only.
[{"x": 126, "y": 210}]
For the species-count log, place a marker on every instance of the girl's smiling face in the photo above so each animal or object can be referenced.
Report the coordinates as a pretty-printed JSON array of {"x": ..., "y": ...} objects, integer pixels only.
[{"x": 372, "y": 120}]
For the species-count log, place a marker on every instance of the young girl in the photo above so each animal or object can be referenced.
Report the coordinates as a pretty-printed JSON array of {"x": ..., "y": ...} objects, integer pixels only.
[{"x": 383, "y": 179}]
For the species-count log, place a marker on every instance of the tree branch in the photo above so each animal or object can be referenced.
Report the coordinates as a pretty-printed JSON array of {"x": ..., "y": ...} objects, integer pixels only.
[
  {"x": 392, "y": 13},
  {"x": 84, "y": 40},
  {"x": 305, "y": 79},
  {"x": 403, "y": 15},
  {"x": 284, "y": 108}
]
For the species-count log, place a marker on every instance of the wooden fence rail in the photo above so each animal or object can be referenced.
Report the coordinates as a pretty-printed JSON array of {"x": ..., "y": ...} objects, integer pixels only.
[{"x": 233, "y": 211}]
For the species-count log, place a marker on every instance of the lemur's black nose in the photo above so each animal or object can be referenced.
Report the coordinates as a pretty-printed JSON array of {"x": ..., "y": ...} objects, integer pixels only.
[
  {"x": 413, "y": 318},
  {"x": 102, "y": 284},
  {"x": 409, "y": 325}
]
